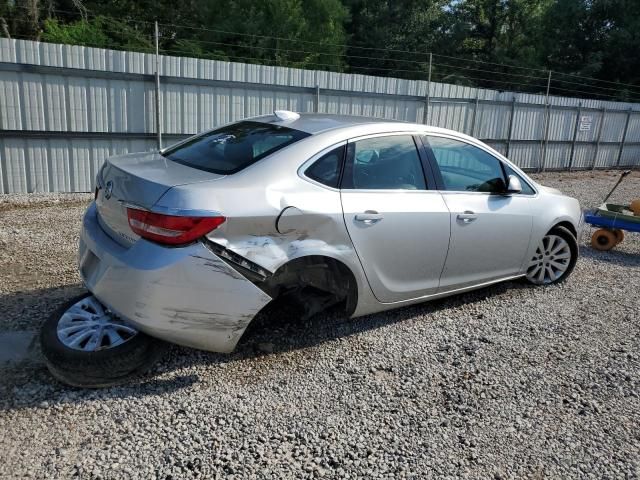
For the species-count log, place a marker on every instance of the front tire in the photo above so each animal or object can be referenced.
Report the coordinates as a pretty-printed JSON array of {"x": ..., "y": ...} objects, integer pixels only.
[
  {"x": 554, "y": 259},
  {"x": 86, "y": 345}
]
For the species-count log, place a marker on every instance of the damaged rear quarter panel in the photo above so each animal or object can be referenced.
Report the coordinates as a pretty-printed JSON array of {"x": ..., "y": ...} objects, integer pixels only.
[
  {"x": 184, "y": 295},
  {"x": 273, "y": 215},
  {"x": 296, "y": 219}
]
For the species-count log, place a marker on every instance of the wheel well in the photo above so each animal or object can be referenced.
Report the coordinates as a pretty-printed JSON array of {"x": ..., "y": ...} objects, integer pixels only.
[
  {"x": 569, "y": 226},
  {"x": 315, "y": 282}
]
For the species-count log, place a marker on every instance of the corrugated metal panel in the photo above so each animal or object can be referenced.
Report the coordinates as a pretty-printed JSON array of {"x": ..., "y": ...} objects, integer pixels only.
[
  {"x": 633, "y": 132},
  {"x": 630, "y": 155},
  {"x": 528, "y": 123},
  {"x": 557, "y": 156},
  {"x": 455, "y": 116},
  {"x": 492, "y": 121},
  {"x": 613, "y": 127},
  {"x": 526, "y": 155},
  {"x": 607, "y": 156},
  {"x": 561, "y": 124},
  {"x": 583, "y": 156},
  {"x": 61, "y": 101}
]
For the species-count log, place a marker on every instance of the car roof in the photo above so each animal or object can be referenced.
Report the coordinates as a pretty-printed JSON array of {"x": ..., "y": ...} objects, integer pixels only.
[
  {"x": 314, "y": 123},
  {"x": 317, "y": 123}
]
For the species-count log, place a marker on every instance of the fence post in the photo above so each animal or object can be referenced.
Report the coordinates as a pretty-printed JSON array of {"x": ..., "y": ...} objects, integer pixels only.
[
  {"x": 575, "y": 135},
  {"x": 546, "y": 137},
  {"x": 599, "y": 135},
  {"x": 317, "y": 98},
  {"x": 545, "y": 126},
  {"x": 513, "y": 111},
  {"x": 158, "y": 101},
  {"x": 427, "y": 99},
  {"x": 475, "y": 114},
  {"x": 624, "y": 137}
]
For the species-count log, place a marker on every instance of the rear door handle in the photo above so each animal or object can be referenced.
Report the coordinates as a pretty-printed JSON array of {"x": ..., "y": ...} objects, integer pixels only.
[
  {"x": 467, "y": 217},
  {"x": 369, "y": 217}
]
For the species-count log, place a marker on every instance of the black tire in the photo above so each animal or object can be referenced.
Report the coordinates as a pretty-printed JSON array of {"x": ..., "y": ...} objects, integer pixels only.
[
  {"x": 573, "y": 246},
  {"x": 104, "y": 368},
  {"x": 571, "y": 240}
]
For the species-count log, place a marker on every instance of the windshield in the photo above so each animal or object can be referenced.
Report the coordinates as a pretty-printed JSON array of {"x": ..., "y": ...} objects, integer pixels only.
[{"x": 230, "y": 149}]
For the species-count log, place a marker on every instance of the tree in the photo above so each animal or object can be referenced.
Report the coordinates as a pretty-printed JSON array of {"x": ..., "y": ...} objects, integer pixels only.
[
  {"x": 296, "y": 32},
  {"x": 401, "y": 25},
  {"x": 99, "y": 32},
  {"x": 501, "y": 44}
]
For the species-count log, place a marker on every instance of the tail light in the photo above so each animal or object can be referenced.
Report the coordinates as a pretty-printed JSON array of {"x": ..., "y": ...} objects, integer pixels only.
[{"x": 171, "y": 229}]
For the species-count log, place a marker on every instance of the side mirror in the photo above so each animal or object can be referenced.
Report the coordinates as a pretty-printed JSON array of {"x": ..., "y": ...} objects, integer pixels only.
[{"x": 514, "y": 185}]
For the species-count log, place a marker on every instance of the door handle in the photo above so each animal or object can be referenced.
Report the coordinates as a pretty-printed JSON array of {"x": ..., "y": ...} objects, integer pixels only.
[
  {"x": 467, "y": 217},
  {"x": 369, "y": 217}
]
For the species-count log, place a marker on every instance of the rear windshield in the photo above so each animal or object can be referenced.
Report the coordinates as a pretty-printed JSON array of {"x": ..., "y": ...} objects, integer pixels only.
[{"x": 230, "y": 149}]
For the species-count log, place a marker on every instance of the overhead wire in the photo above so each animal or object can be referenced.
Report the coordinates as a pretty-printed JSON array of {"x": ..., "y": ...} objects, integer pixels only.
[
  {"x": 387, "y": 50},
  {"x": 274, "y": 62},
  {"x": 377, "y": 59}
]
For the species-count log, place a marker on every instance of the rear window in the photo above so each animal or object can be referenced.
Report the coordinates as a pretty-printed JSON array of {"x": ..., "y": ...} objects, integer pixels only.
[{"x": 230, "y": 149}]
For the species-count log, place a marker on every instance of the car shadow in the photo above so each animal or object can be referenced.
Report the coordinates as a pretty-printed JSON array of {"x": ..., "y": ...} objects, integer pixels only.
[{"x": 274, "y": 332}]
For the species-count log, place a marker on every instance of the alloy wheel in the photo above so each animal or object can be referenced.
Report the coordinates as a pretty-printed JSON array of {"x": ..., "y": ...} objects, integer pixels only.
[{"x": 551, "y": 260}]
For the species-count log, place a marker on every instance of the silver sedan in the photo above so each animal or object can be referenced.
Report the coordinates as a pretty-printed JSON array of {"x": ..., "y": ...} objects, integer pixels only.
[{"x": 190, "y": 243}]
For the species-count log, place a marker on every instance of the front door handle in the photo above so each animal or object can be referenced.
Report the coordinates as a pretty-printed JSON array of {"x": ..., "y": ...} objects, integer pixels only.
[
  {"x": 467, "y": 217},
  {"x": 369, "y": 217}
]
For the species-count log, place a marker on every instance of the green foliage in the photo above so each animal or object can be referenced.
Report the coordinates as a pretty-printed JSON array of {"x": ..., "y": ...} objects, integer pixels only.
[
  {"x": 400, "y": 25},
  {"x": 101, "y": 32},
  {"x": 596, "y": 38},
  {"x": 282, "y": 32},
  {"x": 77, "y": 33}
]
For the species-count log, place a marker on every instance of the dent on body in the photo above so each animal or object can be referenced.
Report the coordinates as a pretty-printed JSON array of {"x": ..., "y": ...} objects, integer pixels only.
[{"x": 296, "y": 231}]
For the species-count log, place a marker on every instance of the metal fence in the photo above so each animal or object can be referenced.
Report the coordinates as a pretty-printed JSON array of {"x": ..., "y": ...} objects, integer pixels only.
[{"x": 64, "y": 109}]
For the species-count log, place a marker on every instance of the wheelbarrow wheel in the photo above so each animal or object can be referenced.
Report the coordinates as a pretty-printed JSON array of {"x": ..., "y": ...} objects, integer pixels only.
[
  {"x": 619, "y": 235},
  {"x": 603, "y": 239}
]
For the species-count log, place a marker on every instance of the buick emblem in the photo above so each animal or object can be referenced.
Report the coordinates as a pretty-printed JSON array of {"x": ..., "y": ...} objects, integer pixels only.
[{"x": 108, "y": 190}]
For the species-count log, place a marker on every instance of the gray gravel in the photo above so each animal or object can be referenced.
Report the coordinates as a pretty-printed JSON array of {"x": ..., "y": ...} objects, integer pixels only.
[{"x": 511, "y": 381}]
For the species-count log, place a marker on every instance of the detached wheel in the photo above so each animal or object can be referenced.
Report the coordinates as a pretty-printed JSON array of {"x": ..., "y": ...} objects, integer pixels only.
[
  {"x": 86, "y": 345},
  {"x": 603, "y": 239},
  {"x": 554, "y": 259}
]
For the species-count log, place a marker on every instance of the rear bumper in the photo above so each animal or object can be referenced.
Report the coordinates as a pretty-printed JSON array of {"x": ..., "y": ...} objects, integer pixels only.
[{"x": 184, "y": 295}]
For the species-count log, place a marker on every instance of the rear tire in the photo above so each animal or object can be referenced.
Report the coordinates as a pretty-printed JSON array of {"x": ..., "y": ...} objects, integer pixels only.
[
  {"x": 603, "y": 239},
  {"x": 108, "y": 366}
]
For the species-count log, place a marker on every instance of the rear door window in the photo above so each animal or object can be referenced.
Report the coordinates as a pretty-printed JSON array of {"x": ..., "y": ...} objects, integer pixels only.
[
  {"x": 230, "y": 149},
  {"x": 384, "y": 163}
]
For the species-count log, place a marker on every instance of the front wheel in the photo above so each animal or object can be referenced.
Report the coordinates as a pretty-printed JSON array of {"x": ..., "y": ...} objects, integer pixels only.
[{"x": 554, "y": 258}]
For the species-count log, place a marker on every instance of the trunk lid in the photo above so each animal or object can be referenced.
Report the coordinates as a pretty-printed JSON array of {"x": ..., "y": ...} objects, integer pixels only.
[{"x": 138, "y": 179}]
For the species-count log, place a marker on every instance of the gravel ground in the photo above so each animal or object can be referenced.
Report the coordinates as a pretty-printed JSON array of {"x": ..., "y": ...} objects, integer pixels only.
[{"x": 510, "y": 381}]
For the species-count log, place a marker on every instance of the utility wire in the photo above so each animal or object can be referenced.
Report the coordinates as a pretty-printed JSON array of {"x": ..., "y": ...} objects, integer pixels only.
[
  {"x": 593, "y": 86},
  {"x": 255, "y": 59},
  {"x": 230, "y": 58},
  {"x": 309, "y": 52},
  {"x": 373, "y": 49},
  {"x": 386, "y": 50}
]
